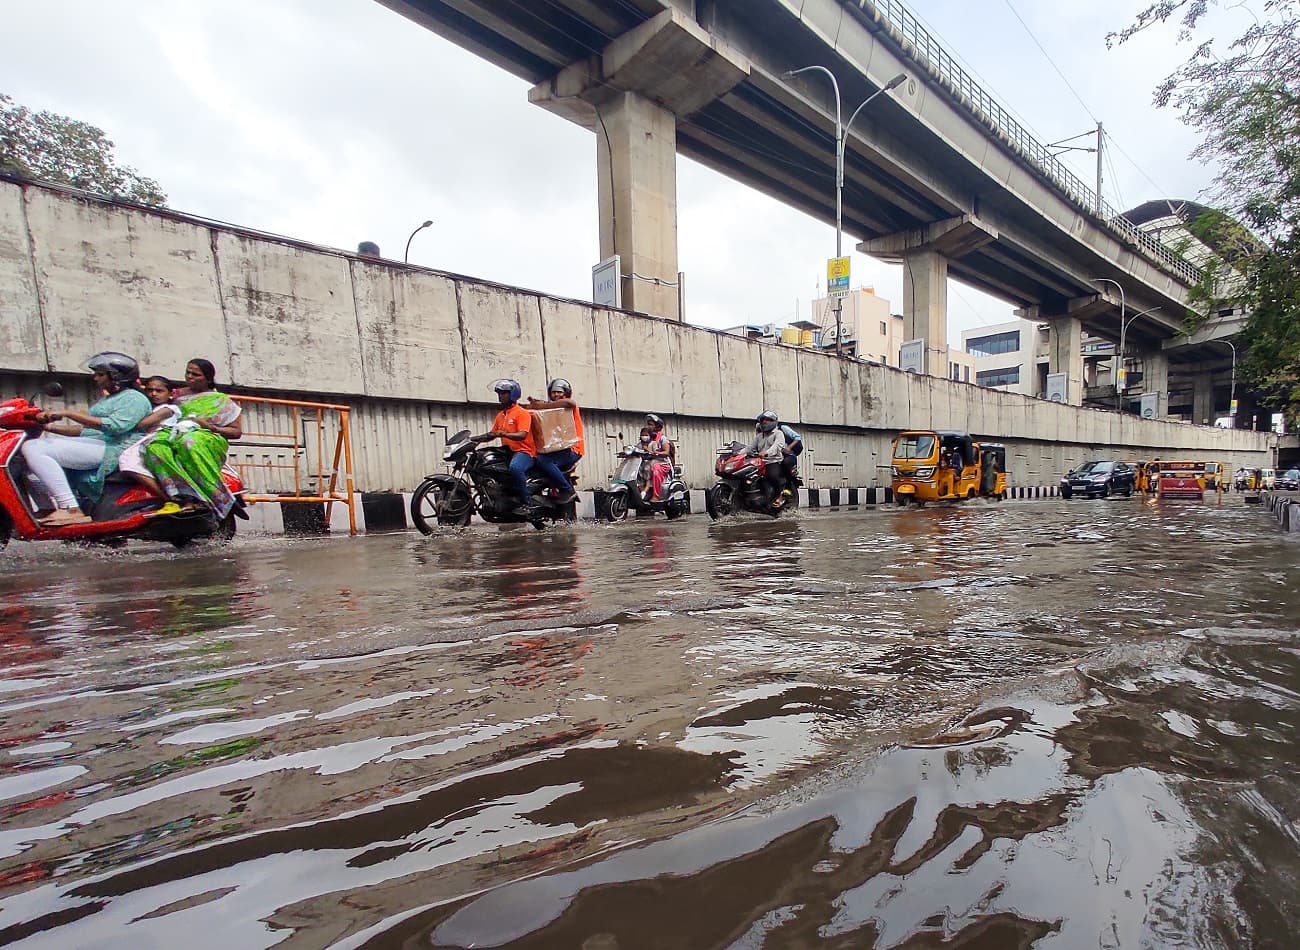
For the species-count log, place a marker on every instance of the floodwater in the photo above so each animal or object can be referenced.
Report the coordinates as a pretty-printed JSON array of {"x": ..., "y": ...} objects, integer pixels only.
[{"x": 1054, "y": 724}]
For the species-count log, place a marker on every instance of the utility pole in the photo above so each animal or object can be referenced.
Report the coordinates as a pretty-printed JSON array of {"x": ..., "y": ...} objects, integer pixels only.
[{"x": 1100, "y": 140}]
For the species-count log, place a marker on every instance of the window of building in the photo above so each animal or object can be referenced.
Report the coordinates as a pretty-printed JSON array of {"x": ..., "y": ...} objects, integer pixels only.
[
  {"x": 955, "y": 372},
  {"x": 965, "y": 372},
  {"x": 994, "y": 343},
  {"x": 998, "y": 377},
  {"x": 884, "y": 330}
]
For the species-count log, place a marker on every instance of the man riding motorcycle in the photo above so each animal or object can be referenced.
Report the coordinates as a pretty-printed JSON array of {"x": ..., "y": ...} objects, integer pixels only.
[
  {"x": 513, "y": 425},
  {"x": 769, "y": 443}
]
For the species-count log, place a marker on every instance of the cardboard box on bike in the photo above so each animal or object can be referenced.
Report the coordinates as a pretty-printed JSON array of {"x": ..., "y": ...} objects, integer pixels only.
[{"x": 553, "y": 430}]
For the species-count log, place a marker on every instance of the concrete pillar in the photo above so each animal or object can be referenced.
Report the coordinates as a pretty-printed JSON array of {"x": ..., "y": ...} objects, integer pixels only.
[
  {"x": 1065, "y": 354},
  {"x": 1155, "y": 379},
  {"x": 631, "y": 95},
  {"x": 636, "y": 162},
  {"x": 925, "y": 306},
  {"x": 1203, "y": 399},
  {"x": 924, "y": 253}
]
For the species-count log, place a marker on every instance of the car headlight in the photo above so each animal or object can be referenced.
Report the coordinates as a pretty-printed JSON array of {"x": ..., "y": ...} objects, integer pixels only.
[{"x": 925, "y": 472}]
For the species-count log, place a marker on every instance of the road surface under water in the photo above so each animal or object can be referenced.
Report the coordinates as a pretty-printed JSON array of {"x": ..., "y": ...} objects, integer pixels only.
[{"x": 1058, "y": 724}]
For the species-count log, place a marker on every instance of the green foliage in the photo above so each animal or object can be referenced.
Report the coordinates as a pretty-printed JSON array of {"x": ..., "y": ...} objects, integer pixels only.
[
  {"x": 52, "y": 147},
  {"x": 1244, "y": 98}
]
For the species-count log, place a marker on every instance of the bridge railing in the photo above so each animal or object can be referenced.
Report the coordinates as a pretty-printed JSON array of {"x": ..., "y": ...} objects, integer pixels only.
[{"x": 918, "y": 45}]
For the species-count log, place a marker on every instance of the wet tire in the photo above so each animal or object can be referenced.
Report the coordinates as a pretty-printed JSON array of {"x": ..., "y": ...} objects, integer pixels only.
[
  {"x": 1066, "y": 493},
  {"x": 616, "y": 506},
  {"x": 1105, "y": 491},
  {"x": 675, "y": 511},
  {"x": 6, "y": 529},
  {"x": 720, "y": 501},
  {"x": 434, "y": 505},
  {"x": 225, "y": 532}
]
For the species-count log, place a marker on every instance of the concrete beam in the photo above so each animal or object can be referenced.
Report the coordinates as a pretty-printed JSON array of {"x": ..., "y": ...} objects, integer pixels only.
[
  {"x": 951, "y": 237},
  {"x": 1220, "y": 329},
  {"x": 669, "y": 59}
]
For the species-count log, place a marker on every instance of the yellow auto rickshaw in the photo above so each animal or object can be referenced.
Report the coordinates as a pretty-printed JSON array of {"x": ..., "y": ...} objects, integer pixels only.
[{"x": 930, "y": 465}]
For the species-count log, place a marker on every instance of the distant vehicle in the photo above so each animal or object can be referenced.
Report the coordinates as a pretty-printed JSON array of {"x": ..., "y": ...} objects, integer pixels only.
[
  {"x": 1099, "y": 478},
  {"x": 1267, "y": 479},
  {"x": 1288, "y": 480},
  {"x": 1185, "y": 479}
]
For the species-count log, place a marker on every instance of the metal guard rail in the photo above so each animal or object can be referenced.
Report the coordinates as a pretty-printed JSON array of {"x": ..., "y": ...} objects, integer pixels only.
[
  {"x": 918, "y": 45},
  {"x": 326, "y": 480}
]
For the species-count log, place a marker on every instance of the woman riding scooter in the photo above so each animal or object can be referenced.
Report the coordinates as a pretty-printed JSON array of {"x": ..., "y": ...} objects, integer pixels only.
[{"x": 107, "y": 427}]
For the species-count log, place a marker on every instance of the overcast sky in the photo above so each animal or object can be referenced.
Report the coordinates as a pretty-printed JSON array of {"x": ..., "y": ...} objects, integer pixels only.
[{"x": 336, "y": 121}]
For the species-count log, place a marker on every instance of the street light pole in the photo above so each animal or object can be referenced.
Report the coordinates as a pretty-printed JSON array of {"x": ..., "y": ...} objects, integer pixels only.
[
  {"x": 841, "y": 133},
  {"x": 1119, "y": 355},
  {"x": 406, "y": 257}
]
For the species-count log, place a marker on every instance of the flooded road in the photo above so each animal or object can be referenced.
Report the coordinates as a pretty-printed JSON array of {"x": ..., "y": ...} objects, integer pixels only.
[{"x": 1057, "y": 724}]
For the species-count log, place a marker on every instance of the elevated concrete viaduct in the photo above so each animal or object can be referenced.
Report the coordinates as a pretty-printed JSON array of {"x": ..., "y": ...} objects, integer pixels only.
[{"x": 937, "y": 174}]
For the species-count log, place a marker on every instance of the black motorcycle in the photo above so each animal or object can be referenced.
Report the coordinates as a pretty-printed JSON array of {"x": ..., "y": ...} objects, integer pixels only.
[{"x": 481, "y": 482}]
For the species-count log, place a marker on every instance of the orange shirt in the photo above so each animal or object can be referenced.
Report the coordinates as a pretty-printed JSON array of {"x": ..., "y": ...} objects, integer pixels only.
[
  {"x": 581, "y": 447},
  {"x": 513, "y": 420}
]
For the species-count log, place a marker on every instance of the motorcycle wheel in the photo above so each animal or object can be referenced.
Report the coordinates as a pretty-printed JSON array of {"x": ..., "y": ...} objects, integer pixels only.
[
  {"x": 434, "y": 504},
  {"x": 720, "y": 501},
  {"x": 675, "y": 510},
  {"x": 616, "y": 506},
  {"x": 6, "y": 529}
]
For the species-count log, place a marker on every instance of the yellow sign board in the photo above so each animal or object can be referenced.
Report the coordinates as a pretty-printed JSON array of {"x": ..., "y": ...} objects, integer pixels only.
[{"x": 837, "y": 277}]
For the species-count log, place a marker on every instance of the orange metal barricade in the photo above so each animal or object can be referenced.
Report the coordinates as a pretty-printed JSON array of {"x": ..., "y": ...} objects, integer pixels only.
[{"x": 293, "y": 429}]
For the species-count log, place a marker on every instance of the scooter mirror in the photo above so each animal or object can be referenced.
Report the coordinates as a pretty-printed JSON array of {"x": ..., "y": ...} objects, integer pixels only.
[
  {"x": 459, "y": 437},
  {"x": 52, "y": 387}
]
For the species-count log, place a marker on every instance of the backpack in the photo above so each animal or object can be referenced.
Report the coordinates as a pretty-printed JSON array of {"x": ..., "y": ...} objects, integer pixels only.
[{"x": 792, "y": 436}]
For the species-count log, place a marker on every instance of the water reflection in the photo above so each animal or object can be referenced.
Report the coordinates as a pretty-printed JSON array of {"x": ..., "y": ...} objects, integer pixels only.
[{"x": 974, "y": 726}]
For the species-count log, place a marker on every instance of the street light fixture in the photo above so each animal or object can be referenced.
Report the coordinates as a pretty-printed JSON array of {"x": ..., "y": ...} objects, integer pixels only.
[
  {"x": 406, "y": 258},
  {"x": 841, "y": 133}
]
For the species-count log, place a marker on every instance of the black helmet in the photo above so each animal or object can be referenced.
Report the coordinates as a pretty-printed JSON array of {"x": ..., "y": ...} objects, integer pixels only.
[
  {"x": 654, "y": 421},
  {"x": 508, "y": 386},
  {"x": 767, "y": 420},
  {"x": 559, "y": 385},
  {"x": 121, "y": 369}
]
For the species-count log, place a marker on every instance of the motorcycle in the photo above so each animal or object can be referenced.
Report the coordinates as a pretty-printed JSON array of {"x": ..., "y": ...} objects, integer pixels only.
[
  {"x": 481, "y": 483},
  {"x": 124, "y": 511},
  {"x": 743, "y": 486},
  {"x": 628, "y": 488}
]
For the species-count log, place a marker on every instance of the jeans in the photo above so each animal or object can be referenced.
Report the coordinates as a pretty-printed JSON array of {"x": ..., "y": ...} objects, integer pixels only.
[
  {"x": 521, "y": 463},
  {"x": 48, "y": 456},
  {"x": 553, "y": 464}
]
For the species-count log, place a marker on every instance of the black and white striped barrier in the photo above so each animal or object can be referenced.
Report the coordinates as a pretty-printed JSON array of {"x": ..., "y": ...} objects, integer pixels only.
[
  {"x": 391, "y": 511},
  {"x": 1285, "y": 509}
]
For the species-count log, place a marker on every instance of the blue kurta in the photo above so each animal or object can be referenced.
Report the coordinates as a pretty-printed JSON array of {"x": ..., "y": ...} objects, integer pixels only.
[{"x": 118, "y": 416}]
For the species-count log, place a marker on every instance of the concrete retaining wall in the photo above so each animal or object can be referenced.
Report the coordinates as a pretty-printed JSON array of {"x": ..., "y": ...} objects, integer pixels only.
[{"x": 414, "y": 351}]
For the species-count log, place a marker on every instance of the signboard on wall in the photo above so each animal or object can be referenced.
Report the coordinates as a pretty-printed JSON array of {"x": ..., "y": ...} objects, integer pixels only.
[
  {"x": 1058, "y": 387},
  {"x": 911, "y": 357},
  {"x": 1150, "y": 405},
  {"x": 606, "y": 283}
]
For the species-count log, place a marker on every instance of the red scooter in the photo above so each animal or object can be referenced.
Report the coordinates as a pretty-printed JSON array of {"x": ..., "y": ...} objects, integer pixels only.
[
  {"x": 125, "y": 510},
  {"x": 743, "y": 486}
]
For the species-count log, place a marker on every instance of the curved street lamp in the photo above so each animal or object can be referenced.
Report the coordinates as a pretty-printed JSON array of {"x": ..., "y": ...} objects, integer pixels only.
[
  {"x": 841, "y": 133},
  {"x": 1119, "y": 354},
  {"x": 406, "y": 257}
]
